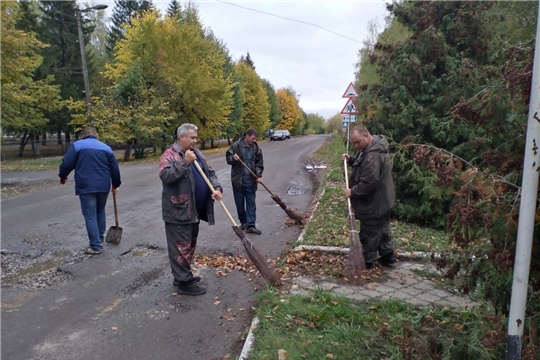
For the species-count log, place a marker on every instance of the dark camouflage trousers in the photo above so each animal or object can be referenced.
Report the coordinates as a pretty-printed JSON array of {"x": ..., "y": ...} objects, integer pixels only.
[
  {"x": 181, "y": 244},
  {"x": 375, "y": 237}
]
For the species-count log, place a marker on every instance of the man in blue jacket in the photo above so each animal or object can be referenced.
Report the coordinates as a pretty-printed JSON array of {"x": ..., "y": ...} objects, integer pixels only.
[{"x": 95, "y": 168}]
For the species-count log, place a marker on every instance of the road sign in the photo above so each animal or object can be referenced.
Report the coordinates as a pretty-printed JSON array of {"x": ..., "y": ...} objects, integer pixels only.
[
  {"x": 344, "y": 129},
  {"x": 349, "y": 108},
  {"x": 350, "y": 92},
  {"x": 348, "y": 118}
]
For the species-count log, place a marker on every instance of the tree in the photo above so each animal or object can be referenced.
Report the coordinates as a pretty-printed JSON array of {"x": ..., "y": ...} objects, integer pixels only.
[
  {"x": 123, "y": 13},
  {"x": 247, "y": 60},
  {"x": 165, "y": 72},
  {"x": 453, "y": 100},
  {"x": 174, "y": 10},
  {"x": 275, "y": 115},
  {"x": 291, "y": 114},
  {"x": 256, "y": 106},
  {"x": 24, "y": 100},
  {"x": 333, "y": 125},
  {"x": 315, "y": 124},
  {"x": 58, "y": 28}
]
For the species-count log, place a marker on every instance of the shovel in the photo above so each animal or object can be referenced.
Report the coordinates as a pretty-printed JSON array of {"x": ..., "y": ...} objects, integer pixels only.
[{"x": 114, "y": 235}]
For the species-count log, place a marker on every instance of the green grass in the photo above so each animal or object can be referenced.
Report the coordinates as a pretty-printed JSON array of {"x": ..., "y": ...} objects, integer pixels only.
[
  {"x": 42, "y": 164},
  {"x": 329, "y": 225},
  {"x": 323, "y": 326},
  {"x": 30, "y": 165}
]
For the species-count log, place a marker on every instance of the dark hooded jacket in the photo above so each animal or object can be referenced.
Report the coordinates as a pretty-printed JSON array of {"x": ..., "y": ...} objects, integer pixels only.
[
  {"x": 372, "y": 187},
  {"x": 257, "y": 163}
]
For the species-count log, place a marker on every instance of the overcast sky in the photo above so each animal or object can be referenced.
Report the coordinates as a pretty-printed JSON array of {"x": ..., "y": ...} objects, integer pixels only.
[{"x": 318, "y": 64}]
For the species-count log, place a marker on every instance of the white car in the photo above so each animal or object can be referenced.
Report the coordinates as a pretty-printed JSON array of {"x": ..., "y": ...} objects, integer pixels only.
[{"x": 287, "y": 134}]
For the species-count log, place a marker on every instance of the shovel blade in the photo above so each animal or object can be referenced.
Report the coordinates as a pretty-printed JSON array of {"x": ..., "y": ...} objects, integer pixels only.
[{"x": 114, "y": 235}]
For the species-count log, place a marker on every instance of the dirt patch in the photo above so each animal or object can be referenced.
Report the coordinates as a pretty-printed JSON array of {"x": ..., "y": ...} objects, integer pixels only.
[{"x": 11, "y": 189}]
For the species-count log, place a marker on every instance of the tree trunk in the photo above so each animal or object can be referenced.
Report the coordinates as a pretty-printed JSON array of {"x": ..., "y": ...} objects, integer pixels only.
[
  {"x": 44, "y": 138},
  {"x": 68, "y": 138},
  {"x": 33, "y": 145},
  {"x": 59, "y": 137},
  {"x": 127, "y": 154},
  {"x": 22, "y": 144},
  {"x": 203, "y": 144},
  {"x": 37, "y": 150},
  {"x": 211, "y": 143},
  {"x": 229, "y": 140}
]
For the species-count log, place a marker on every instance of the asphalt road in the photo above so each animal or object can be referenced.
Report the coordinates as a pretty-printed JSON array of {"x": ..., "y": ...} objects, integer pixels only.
[{"x": 120, "y": 304}]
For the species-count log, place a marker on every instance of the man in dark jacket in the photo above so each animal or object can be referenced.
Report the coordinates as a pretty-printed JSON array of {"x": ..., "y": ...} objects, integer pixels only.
[
  {"x": 372, "y": 194},
  {"x": 186, "y": 199},
  {"x": 244, "y": 184},
  {"x": 95, "y": 168}
]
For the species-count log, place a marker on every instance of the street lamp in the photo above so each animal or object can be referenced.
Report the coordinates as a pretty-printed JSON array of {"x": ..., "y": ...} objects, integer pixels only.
[{"x": 83, "y": 57}]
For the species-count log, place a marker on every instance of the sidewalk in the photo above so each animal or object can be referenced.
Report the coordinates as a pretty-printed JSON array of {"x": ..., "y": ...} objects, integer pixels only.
[{"x": 401, "y": 284}]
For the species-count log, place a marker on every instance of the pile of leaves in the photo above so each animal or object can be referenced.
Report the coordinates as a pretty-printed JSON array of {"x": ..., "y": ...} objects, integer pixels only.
[{"x": 288, "y": 266}]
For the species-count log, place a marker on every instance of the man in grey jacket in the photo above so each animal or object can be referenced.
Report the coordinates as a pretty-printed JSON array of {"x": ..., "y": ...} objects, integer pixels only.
[
  {"x": 372, "y": 194},
  {"x": 186, "y": 199}
]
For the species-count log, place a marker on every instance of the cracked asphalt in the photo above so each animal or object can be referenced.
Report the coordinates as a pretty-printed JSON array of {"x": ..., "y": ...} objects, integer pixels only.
[{"x": 58, "y": 303}]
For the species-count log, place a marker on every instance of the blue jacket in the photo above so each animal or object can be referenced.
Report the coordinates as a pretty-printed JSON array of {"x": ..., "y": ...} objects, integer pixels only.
[{"x": 95, "y": 166}]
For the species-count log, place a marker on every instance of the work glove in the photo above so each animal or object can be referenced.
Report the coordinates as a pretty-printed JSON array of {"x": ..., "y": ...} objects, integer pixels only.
[
  {"x": 63, "y": 181},
  {"x": 114, "y": 190}
]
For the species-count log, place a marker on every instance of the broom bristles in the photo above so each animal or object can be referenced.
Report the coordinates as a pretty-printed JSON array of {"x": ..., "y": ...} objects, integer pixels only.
[
  {"x": 297, "y": 218},
  {"x": 355, "y": 262},
  {"x": 256, "y": 257}
]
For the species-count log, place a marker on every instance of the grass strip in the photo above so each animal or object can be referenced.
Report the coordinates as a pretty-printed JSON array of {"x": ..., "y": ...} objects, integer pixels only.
[{"x": 324, "y": 326}]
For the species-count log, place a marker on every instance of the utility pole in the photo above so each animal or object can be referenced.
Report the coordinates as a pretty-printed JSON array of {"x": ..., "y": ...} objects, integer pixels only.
[
  {"x": 527, "y": 210},
  {"x": 83, "y": 59}
]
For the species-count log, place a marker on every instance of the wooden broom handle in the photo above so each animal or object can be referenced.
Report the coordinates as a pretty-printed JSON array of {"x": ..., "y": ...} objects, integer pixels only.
[
  {"x": 213, "y": 191},
  {"x": 345, "y": 166},
  {"x": 256, "y": 177}
]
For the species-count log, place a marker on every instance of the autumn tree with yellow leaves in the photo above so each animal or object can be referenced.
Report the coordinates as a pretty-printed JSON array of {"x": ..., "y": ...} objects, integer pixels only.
[
  {"x": 292, "y": 118},
  {"x": 256, "y": 106},
  {"x": 24, "y": 101},
  {"x": 166, "y": 72}
]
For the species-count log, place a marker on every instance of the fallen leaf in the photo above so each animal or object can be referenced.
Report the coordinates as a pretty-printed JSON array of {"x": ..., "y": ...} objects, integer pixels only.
[
  {"x": 372, "y": 286},
  {"x": 114, "y": 328},
  {"x": 282, "y": 354},
  {"x": 331, "y": 356},
  {"x": 217, "y": 302},
  {"x": 458, "y": 327}
]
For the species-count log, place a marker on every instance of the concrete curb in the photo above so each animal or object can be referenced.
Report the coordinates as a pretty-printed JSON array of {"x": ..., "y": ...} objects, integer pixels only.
[
  {"x": 303, "y": 233},
  {"x": 412, "y": 255},
  {"x": 248, "y": 344}
]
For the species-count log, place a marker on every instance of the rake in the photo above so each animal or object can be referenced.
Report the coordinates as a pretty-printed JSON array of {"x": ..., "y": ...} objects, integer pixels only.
[
  {"x": 355, "y": 263},
  {"x": 256, "y": 257},
  {"x": 299, "y": 220}
]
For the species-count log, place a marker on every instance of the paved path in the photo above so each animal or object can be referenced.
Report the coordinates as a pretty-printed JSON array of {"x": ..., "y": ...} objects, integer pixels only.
[{"x": 401, "y": 283}]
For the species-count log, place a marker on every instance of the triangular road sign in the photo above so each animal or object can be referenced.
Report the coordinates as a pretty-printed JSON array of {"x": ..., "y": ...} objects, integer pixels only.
[
  {"x": 350, "y": 92},
  {"x": 349, "y": 108}
]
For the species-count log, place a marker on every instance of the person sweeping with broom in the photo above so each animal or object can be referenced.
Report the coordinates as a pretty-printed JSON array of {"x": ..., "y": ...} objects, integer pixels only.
[
  {"x": 244, "y": 184},
  {"x": 372, "y": 194},
  {"x": 186, "y": 200}
]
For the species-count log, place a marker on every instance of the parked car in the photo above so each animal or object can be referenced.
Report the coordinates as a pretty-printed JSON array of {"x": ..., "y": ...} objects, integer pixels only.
[
  {"x": 277, "y": 135},
  {"x": 287, "y": 134}
]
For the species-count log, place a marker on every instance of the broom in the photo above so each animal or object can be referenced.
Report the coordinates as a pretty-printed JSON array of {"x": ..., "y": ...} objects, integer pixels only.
[
  {"x": 355, "y": 263},
  {"x": 295, "y": 217},
  {"x": 256, "y": 257}
]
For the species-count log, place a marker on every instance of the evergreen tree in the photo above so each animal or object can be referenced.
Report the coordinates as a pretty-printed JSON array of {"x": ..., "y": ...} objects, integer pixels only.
[
  {"x": 62, "y": 58},
  {"x": 174, "y": 10},
  {"x": 248, "y": 61},
  {"x": 275, "y": 115},
  {"x": 124, "y": 11}
]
